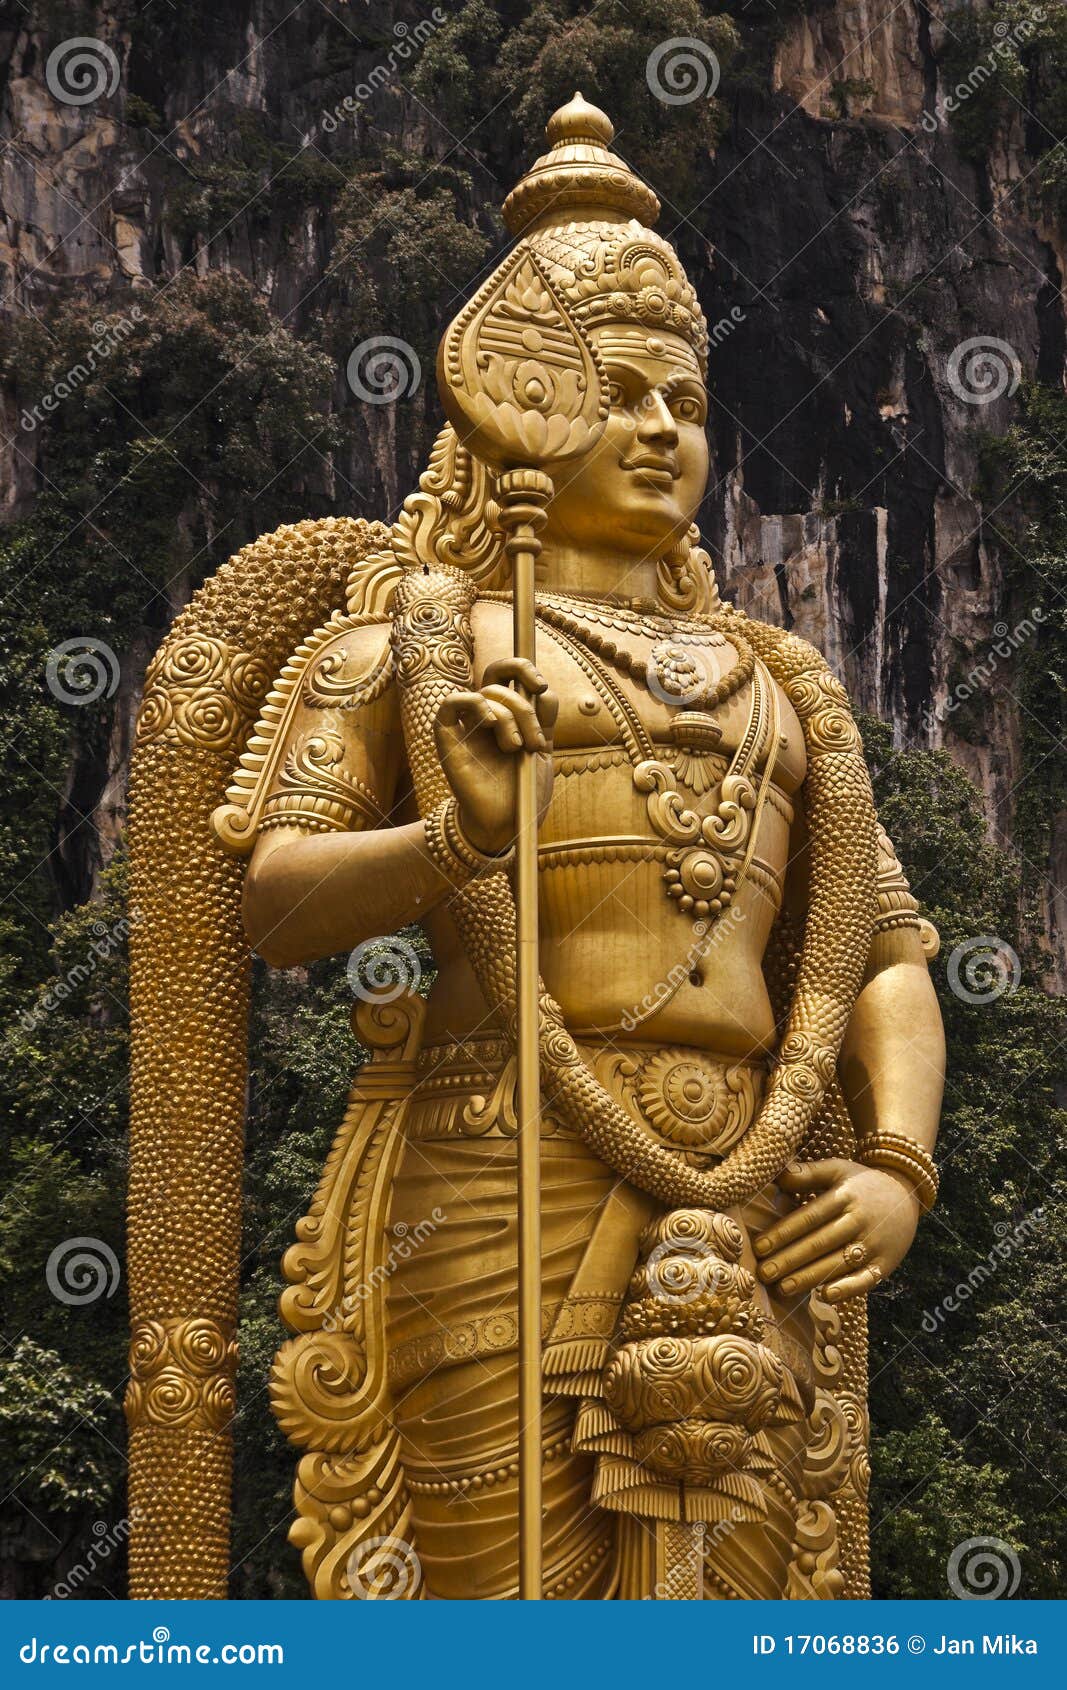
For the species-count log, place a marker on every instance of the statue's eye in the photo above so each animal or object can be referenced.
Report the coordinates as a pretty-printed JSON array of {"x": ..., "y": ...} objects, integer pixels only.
[
  {"x": 688, "y": 410},
  {"x": 616, "y": 395}
]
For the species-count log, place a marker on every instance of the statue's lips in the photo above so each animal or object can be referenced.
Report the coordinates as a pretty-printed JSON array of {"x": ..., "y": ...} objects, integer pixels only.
[{"x": 653, "y": 472}]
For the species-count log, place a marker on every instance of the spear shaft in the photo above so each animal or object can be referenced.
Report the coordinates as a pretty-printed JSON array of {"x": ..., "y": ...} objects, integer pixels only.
[{"x": 524, "y": 494}]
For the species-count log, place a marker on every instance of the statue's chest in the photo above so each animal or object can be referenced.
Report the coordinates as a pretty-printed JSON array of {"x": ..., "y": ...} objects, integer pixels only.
[{"x": 681, "y": 695}]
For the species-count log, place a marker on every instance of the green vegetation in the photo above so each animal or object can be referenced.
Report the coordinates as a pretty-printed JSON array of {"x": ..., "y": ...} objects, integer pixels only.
[
  {"x": 471, "y": 66},
  {"x": 1007, "y": 64},
  {"x": 848, "y": 96},
  {"x": 1025, "y": 487},
  {"x": 174, "y": 423},
  {"x": 961, "y": 1397}
]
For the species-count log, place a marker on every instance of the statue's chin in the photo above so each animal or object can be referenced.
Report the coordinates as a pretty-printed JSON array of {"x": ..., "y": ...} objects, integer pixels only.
[{"x": 651, "y": 527}]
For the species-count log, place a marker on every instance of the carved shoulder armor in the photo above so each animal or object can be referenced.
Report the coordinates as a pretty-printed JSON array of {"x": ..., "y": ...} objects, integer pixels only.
[{"x": 309, "y": 762}]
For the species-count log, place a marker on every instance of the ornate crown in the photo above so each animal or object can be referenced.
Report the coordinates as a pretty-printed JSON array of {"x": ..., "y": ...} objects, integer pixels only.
[{"x": 586, "y": 215}]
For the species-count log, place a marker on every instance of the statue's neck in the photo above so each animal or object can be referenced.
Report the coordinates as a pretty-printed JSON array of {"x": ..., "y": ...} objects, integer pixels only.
[{"x": 595, "y": 574}]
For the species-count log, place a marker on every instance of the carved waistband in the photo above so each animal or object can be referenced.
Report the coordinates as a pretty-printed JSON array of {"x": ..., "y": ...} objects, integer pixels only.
[{"x": 694, "y": 1103}]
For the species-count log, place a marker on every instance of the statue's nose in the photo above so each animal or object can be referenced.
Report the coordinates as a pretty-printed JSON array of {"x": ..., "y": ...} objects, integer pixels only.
[{"x": 656, "y": 421}]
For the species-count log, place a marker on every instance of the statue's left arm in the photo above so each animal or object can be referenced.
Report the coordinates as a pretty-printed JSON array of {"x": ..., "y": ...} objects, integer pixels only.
[{"x": 857, "y": 1218}]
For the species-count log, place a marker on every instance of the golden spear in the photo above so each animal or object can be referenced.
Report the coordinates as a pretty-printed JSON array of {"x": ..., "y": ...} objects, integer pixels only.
[{"x": 521, "y": 384}]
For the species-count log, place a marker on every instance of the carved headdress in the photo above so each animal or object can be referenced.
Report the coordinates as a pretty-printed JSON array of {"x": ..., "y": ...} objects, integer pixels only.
[{"x": 587, "y": 218}]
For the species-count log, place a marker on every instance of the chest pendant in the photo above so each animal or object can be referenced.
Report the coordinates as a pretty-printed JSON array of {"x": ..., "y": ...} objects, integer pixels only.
[{"x": 709, "y": 854}]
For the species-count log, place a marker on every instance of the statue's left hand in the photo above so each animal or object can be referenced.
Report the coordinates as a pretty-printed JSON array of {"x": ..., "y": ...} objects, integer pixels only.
[{"x": 846, "y": 1205}]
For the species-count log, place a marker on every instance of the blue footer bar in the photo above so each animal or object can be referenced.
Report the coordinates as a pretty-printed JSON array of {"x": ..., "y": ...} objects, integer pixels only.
[{"x": 552, "y": 1645}]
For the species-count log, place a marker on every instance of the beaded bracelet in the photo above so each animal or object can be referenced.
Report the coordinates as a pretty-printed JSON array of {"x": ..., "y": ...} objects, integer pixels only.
[
  {"x": 898, "y": 1154},
  {"x": 453, "y": 852}
]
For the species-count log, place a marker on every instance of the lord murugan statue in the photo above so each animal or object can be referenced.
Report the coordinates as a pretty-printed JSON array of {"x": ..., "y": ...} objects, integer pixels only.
[{"x": 736, "y": 1047}]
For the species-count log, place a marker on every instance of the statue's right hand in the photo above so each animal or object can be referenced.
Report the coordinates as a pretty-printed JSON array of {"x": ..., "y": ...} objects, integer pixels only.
[{"x": 479, "y": 736}]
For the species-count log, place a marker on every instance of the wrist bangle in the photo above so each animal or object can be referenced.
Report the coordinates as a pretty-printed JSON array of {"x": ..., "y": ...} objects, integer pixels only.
[
  {"x": 898, "y": 1154},
  {"x": 453, "y": 852}
]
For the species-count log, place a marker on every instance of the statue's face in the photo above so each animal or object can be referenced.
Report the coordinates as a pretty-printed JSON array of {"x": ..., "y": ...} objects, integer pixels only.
[{"x": 638, "y": 489}]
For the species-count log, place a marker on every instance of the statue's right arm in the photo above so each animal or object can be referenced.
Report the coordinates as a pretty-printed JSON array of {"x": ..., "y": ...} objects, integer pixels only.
[
  {"x": 332, "y": 866},
  {"x": 337, "y": 860}
]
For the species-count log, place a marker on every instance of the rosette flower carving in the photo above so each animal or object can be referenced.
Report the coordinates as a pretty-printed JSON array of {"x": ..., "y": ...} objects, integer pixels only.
[
  {"x": 249, "y": 680},
  {"x": 691, "y": 1381},
  {"x": 171, "y": 1398},
  {"x": 156, "y": 713},
  {"x": 693, "y": 1451},
  {"x": 208, "y": 718},
  {"x": 695, "y": 1226},
  {"x": 148, "y": 1348},
  {"x": 200, "y": 1346},
  {"x": 737, "y": 1380},
  {"x": 181, "y": 1374},
  {"x": 203, "y": 691},
  {"x": 219, "y": 1401}
]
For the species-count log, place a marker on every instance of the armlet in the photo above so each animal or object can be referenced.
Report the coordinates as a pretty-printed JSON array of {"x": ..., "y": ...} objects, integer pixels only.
[
  {"x": 896, "y": 905},
  {"x": 277, "y": 780},
  {"x": 315, "y": 790}
]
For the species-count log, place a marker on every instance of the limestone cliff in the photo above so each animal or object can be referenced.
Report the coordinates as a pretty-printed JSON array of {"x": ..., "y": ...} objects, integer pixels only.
[{"x": 845, "y": 245}]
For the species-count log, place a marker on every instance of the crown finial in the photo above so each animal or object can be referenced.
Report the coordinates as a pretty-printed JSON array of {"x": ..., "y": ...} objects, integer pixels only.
[
  {"x": 578, "y": 178},
  {"x": 579, "y": 121}
]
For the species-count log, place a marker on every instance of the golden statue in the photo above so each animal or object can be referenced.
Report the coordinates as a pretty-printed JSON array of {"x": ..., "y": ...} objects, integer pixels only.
[{"x": 579, "y": 1306}]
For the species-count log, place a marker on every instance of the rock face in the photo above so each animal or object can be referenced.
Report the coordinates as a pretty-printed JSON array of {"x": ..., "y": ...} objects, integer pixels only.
[{"x": 843, "y": 248}]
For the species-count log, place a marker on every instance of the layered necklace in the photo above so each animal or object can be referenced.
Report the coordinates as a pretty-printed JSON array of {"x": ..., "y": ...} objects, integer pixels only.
[
  {"x": 668, "y": 671},
  {"x": 709, "y": 855}
]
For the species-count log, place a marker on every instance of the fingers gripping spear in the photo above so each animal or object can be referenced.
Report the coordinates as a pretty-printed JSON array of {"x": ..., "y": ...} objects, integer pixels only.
[{"x": 521, "y": 384}]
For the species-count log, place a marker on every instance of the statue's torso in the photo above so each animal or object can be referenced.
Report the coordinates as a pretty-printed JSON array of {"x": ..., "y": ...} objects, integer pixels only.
[{"x": 613, "y": 944}]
